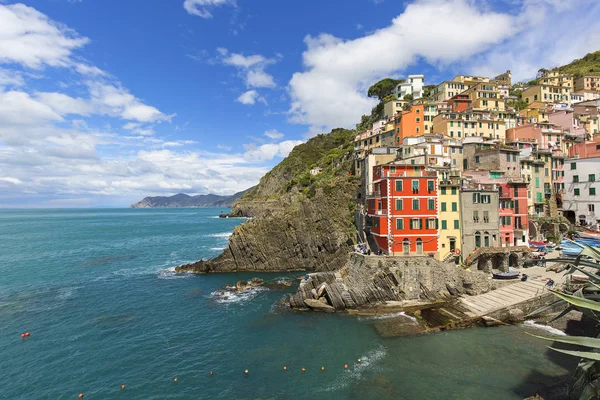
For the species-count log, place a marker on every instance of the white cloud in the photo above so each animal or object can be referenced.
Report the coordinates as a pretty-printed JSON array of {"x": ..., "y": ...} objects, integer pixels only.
[
  {"x": 251, "y": 68},
  {"x": 548, "y": 33},
  {"x": 331, "y": 92},
  {"x": 63, "y": 104},
  {"x": 90, "y": 70},
  {"x": 274, "y": 134},
  {"x": 270, "y": 150},
  {"x": 30, "y": 38},
  {"x": 249, "y": 97},
  {"x": 10, "y": 78},
  {"x": 202, "y": 8},
  {"x": 8, "y": 179},
  {"x": 18, "y": 108},
  {"x": 260, "y": 79}
]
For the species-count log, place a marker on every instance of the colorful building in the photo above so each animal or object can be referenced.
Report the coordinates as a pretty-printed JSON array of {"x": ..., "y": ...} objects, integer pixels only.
[
  {"x": 449, "y": 214},
  {"x": 403, "y": 211},
  {"x": 411, "y": 122}
]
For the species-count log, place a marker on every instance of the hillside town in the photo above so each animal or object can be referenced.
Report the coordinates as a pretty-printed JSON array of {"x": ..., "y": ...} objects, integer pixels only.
[{"x": 477, "y": 162}]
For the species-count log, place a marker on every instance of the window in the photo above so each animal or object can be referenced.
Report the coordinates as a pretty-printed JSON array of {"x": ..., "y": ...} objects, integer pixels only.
[
  {"x": 545, "y": 171},
  {"x": 592, "y": 191},
  {"x": 430, "y": 186},
  {"x": 415, "y": 186},
  {"x": 415, "y": 204},
  {"x": 486, "y": 199},
  {"x": 456, "y": 224},
  {"x": 393, "y": 170},
  {"x": 399, "y": 185},
  {"x": 575, "y": 178},
  {"x": 508, "y": 157},
  {"x": 475, "y": 216},
  {"x": 573, "y": 166},
  {"x": 418, "y": 119},
  {"x": 453, "y": 191},
  {"x": 537, "y": 182},
  {"x": 592, "y": 177},
  {"x": 399, "y": 204},
  {"x": 477, "y": 239},
  {"x": 591, "y": 207},
  {"x": 454, "y": 206},
  {"x": 486, "y": 217},
  {"x": 375, "y": 222},
  {"x": 416, "y": 223},
  {"x": 476, "y": 159},
  {"x": 399, "y": 223},
  {"x": 431, "y": 204},
  {"x": 444, "y": 224},
  {"x": 443, "y": 190},
  {"x": 576, "y": 192},
  {"x": 443, "y": 206},
  {"x": 431, "y": 223}
]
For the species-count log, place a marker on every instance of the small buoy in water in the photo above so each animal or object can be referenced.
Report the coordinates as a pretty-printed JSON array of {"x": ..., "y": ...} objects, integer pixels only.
[
  {"x": 22, "y": 335},
  {"x": 211, "y": 373},
  {"x": 80, "y": 395},
  {"x": 27, "y": 334},
  {"x": 359, "y": 360},
  {"x": 175, "y": 380},
  {"x": 245, "y": 372},
  {"x": 322, "y": 368},
  {"x": 303, "y": 369},
  {"x": 345, "y": 366},
  {"x": 122, "y": 387},
  {"x": 284, "y": 368}
]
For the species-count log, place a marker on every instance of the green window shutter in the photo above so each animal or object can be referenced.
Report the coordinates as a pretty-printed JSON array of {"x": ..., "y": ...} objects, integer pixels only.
[
  {"x": 576, "y": 192},
  {"x": 573, "y": 165},
  {"x": 444, "y": 224},
  {"x": 575, "y": 178},
  {"x": 454, "y": 206},
  {"x": 399, "y": 204},
  {"x": 456, "y": 224},
  {"x": 437, "y": 226},
  {"x": 399, "y": 223},
  {"x": 443, "y": 206},
  {"x": 420, "y": 223},
  {"x": 431, "y": 204},
  {"x": 398, "y": 185},
  {"x": 592, "y": 191},
  {"x": 454, "y": 191},
  {"x": 415, "y": 205},
  {"x": 443, "y": 190}
]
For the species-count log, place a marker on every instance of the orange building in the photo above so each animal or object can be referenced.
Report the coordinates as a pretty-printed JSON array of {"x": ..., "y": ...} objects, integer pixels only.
[
  {"x": 585, "y": 150},
  {"x": 403, "y": 209},
  {"x": 460, "y": 102},
  {"x": 410, "y": 122}
]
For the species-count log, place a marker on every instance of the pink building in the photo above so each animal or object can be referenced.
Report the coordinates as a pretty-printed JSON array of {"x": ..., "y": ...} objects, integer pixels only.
[
  {"x": 565, "y": 119},
  {"x": 585, "y": 150}
]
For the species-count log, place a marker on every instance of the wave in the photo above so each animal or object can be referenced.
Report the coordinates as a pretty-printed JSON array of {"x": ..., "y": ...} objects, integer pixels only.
[
  {"x": 554, "y": 331},
  {"x": 355, "y": 372},
  {"x": 171, "y": 274},
  {"x": 229, "y": 295},
  {"x": 220, "y": 235},
  {"x": 217, "y": 248},
  {"x": 387, "y": 316}
]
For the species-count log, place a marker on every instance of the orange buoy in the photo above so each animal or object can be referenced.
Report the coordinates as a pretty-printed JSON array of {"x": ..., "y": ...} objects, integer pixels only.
[
  {"x": 284, "y": 368},
  {"x": 303, "y": 369},
  {"x": 245, "y": 372},
  {"x": 27, "y": 334},
  {"x": 345, "y": 366},
  {"x": 175, "y": 380},
  {"x": 359, "y": 360},
  {"x": 80, "y": 395},
  {"x": 211, "y": 373},
  {"x": 122, "y": 387},
  {"x": 22, "y": 335},
  {"x": 322, "y": 368}
]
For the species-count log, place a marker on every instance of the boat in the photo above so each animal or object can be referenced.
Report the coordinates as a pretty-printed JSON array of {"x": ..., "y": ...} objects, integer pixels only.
[{"x": 506, "y": 275}]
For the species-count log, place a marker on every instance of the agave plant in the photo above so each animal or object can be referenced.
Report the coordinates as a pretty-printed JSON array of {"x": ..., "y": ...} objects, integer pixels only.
[{"x": 587, "y": 300}]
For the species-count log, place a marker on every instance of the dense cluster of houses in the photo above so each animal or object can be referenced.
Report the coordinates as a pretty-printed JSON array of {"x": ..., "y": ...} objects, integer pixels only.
[{"x": 476, "y": 161}]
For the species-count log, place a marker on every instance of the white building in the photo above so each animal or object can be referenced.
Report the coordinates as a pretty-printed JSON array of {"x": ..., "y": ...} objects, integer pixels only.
[
  {"x": 582, "y": 190},
  {"x": 413, "y": 85}
]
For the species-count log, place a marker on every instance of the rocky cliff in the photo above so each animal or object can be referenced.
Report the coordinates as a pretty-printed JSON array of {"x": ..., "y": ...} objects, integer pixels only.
[{"x": 299, "y": 221}]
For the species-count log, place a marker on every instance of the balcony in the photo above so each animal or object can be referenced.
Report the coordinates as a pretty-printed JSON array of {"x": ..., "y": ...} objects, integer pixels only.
[{"x": 505, "y": 195}]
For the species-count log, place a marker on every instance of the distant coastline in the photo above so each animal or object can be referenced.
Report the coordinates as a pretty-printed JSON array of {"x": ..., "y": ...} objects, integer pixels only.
[{"x": 183, "y": 200}]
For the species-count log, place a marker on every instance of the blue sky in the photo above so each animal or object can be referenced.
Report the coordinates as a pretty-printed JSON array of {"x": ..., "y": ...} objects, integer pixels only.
[{"x": 105, "y": 102}]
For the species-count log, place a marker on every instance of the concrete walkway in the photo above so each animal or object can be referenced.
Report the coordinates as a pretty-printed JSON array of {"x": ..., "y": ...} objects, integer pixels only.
[{"x": 506, "y": 296}]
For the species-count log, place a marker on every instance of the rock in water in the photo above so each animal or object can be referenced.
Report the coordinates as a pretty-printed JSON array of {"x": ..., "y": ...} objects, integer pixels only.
[{"x": 318, "y": 306}]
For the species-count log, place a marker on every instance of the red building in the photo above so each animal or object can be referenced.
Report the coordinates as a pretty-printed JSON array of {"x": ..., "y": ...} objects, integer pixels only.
[
  {"x": 403, "y": 209},
  {"x": 514, "y": 222}
]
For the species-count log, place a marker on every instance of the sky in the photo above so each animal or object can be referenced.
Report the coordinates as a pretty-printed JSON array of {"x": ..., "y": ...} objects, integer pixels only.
[{"x": 103, "y": 103}]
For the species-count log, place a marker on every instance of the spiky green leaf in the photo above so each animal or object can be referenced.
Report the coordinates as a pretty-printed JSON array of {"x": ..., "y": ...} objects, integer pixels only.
[
  {"x": 578, "y": 301},
  {"x": 582, "y": 354},
  {"x": 578, "y": 340}
]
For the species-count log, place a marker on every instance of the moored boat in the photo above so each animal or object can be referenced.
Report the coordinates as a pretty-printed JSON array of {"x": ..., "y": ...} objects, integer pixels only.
[{"x": 506, "y": 275}]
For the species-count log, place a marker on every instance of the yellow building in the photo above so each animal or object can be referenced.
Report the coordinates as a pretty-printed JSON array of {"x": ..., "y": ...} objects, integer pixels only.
[
  {"x": 465, "y": 124},
  {"x": 555, "y": 78},
  {"x": 485, "y": 96},
  {"x": 449, "y": 213},
  {"x": 537, "y": 110},
  {"x": 547, "y": 94},
  {"x": 448, "y": 89},
  {"x": 393, "y": 107}
]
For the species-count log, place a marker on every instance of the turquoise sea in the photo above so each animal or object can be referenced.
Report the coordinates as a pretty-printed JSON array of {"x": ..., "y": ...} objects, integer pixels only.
[{"x": 95, "y": 289}]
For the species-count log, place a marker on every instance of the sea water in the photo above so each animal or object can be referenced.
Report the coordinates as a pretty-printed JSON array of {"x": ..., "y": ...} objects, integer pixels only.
[{"x": 97, "y": 292}]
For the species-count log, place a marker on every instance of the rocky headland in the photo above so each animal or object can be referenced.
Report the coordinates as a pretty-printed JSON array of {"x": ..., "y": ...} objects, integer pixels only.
[{"x": 299, "y": 221}]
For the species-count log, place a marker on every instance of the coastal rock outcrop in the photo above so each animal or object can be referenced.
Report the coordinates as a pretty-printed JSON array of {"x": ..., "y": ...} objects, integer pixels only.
[
  {"x": 299, "y": 221},
  {"x": 372, "y": 281}
]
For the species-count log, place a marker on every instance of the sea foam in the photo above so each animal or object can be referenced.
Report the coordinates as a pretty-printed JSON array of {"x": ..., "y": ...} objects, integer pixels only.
[{"x": 554, "y": 331}]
